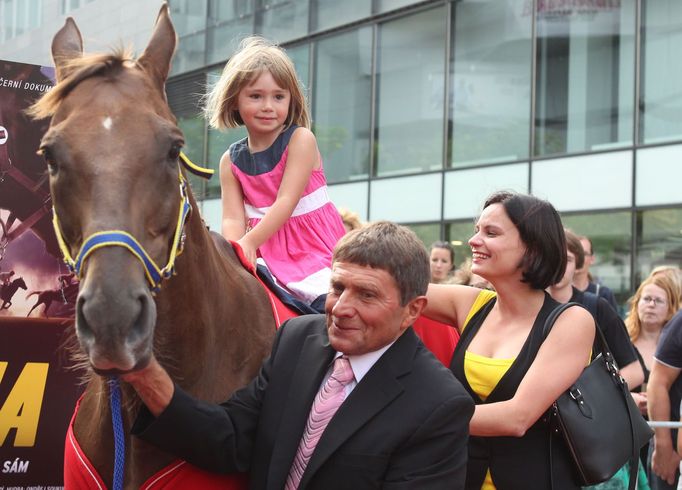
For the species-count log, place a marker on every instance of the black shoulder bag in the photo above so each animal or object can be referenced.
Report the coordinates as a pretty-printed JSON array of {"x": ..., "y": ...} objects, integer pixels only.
[{"x": 597, "y": 417}]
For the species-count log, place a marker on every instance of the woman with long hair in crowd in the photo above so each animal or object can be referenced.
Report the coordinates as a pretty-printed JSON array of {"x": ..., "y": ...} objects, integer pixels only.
[
  {"x": 511, "y": 371},
  {"x": 655, "y": 302}
]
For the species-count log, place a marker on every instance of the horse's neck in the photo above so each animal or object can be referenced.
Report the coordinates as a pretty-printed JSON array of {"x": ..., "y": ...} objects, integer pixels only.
[{"x": 198, "y": 311}]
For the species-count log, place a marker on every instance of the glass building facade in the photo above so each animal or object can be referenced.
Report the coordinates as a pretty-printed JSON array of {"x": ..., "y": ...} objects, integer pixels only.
[{"x": 422, "y": 108}]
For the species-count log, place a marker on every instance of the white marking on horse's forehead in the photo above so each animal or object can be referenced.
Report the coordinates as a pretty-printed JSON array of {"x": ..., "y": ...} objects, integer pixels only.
[{"x": 107, "y": 122}]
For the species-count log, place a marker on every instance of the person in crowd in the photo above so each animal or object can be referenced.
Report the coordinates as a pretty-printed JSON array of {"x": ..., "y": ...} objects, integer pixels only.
[
  {"x": 664, "y": 394},
  {"x": 274, "y": 192},
  {"x": 463, "y": 275},
  {"x": 400, "y": 419},
  {"x": 511, "y": 371},
  {"x": 606, "y": 317},
  {"x": 351, "y": 220},
  {"x": 442, "y": 261},
  {"x": 673, "y": 273},
  {"x": 583, "y": 279},
  {"x": 652, "y": 306}
]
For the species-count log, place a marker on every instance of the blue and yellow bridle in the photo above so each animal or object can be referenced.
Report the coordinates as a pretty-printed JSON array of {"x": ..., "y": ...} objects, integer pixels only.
[{"x": 119, "y": 238}]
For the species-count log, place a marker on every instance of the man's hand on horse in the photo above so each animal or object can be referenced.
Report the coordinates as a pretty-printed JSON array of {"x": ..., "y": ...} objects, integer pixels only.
[{"x": 153, "y": 385}]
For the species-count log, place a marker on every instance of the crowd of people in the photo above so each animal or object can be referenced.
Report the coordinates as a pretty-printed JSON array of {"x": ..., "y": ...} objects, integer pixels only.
[{"x": 351, "y": 398}]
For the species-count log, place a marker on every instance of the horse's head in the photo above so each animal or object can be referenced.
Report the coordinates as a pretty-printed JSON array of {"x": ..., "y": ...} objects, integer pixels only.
[
  {"x": 112, "y": 157},
  {"x": 20, "y": 283}
]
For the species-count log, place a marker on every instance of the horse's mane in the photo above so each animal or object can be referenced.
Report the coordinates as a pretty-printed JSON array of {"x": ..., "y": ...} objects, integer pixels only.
[{"x": 79, "y": 68}]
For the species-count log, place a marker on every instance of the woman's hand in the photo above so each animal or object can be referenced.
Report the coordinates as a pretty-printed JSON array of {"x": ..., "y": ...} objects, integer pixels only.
[{"x": 641, "y": 401}]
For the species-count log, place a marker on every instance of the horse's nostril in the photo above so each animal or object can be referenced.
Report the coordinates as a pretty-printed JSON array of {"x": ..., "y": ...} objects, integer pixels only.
[
  {"x": 141, "y": 325},
  {"x": 83, "y": 328}
]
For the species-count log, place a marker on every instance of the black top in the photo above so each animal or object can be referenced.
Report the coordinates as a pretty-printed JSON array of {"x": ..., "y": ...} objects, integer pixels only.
[
  {"x": 603, "y": 292},
  {"x": 264, "y": 161},
  {"x": 613, "y": 329},
  {"x": 514, "y": 462}
]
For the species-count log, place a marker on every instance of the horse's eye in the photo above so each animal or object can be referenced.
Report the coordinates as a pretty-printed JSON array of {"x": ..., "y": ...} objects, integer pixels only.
[
  {"x": 174, "y": 152},
  {"x": 49, "y": 159}
]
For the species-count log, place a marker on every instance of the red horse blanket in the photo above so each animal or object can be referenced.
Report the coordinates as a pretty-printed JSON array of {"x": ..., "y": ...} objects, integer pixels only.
[{"x": 80, "y": 474}]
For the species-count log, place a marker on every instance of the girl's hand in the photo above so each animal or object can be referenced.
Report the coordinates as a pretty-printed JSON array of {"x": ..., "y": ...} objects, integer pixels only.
[{"x": 248, "y": 249}]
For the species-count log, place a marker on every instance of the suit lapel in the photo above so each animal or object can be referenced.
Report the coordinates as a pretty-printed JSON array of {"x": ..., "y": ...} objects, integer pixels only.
[
  {"x": 378, "y": 388},
  {"x": 313, "y": 362}
]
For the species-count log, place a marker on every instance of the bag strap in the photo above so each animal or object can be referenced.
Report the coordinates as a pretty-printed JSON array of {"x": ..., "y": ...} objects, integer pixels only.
[{"x": 611, "y": 366}]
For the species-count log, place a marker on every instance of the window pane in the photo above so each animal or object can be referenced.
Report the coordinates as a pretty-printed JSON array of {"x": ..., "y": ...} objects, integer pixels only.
[
  {"x": 342, "y": 101},
  {"x": 467, "y": 189},
  {"x": 386, "y": 5},
  {"x": 661, "y": 71},
  {"x": 7, "y": 19},
  {"x": 228, "y": 24},
  {"x": 412, "y": 199},
  {"x": 218, "y": 143},
  {"x": 427, "y": 233},
  {"x": 490, "y": 82},
  {"x": 34, "y": 13},
  {"x": 220, "y": 11},
  {"x": 458, "y": 235},
  {"x": 659, "y": 240},
  {"x": 188, "y": 16},
  {"x": 659, "y": 174},
  {"x": 331, "y": 13},
  {"x": 576, "y": 183},
  {"x": 300, "y": 56},
  {"x": 190, "y": 53},
  {"x": 585, "y": 86},
  {"x": 351, "y": 196},
  {"x": 282, "y": 20},
  {"x": 611, "y": 237},
  {"x": 410, "y": 91}
]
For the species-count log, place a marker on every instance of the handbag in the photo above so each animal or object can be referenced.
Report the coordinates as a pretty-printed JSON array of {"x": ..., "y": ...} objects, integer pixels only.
[{"x": 597, "y": 417}]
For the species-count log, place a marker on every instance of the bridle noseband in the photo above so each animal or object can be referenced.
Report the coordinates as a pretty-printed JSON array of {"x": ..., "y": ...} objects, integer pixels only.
[{"x": 119, "y": 238}]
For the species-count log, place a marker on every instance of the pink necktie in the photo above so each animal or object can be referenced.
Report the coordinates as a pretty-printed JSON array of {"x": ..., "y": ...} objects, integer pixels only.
[{"x": 326, "y": 403}]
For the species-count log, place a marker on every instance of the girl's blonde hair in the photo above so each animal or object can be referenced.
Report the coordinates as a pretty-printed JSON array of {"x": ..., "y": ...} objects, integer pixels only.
[
  {"x": 255, "y": 55},
  {"x": 632, "y": 322}
]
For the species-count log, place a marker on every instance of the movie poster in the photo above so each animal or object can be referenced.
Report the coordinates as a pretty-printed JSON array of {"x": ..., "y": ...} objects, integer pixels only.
[{"x": 37, "y": 297}]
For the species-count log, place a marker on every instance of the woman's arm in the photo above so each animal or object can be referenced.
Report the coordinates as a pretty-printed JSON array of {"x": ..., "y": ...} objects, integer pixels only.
[
  {"x": 302, "y": 159},
  {"x": 232, "y": 199},
  {"x": 560, "y": 360},
  {"x": 450, "y": 303},
  {"x": 633, "y": 374}
]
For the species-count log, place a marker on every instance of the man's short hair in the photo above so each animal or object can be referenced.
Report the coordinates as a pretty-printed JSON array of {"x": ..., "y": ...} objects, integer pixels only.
[
  {"x": 575, "y": 247},
  {"x": 390, "y": 247},
  {"x": 541, "y": 231}
]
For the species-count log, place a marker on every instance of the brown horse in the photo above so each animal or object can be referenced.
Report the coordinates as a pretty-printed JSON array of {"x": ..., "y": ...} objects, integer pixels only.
[{"x": 112, "y": 157}]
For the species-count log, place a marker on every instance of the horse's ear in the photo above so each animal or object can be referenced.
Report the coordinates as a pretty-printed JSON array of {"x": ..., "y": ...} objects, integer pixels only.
[
  {"x": 156, "y": 59},
  {"x": 66, "y": 45}
]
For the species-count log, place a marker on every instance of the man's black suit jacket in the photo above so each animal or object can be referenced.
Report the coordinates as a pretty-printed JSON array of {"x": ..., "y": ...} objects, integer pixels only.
[{"x": 405, "y": 425}]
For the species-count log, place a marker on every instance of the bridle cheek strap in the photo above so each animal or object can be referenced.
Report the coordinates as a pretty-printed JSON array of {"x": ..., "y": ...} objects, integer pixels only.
[{"x": 120, "y": 238}]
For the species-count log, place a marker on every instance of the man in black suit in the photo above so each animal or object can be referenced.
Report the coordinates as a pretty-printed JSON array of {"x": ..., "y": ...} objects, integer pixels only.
[{"x": 404, "y": 421}]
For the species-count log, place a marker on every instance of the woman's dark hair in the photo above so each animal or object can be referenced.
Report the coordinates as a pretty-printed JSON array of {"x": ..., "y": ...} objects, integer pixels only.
[
  {"x": 445, "y": 246},
  {"x": 540, "y": 228}
]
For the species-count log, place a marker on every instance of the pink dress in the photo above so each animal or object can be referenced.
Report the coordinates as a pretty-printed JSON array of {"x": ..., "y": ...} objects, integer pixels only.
[{"x": 299, "y": 254}]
